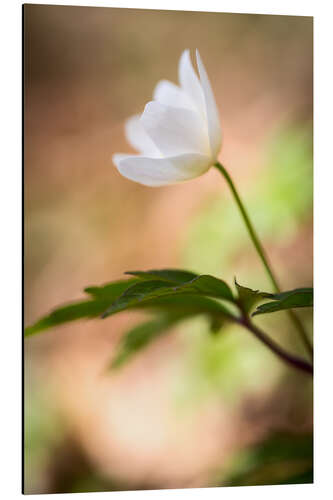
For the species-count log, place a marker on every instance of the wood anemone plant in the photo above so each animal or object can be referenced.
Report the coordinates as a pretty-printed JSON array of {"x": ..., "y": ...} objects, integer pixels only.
[{"x": 178, "y": 137}]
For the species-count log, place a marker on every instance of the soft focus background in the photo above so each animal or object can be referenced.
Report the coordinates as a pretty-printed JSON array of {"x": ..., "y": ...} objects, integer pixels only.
[{"x": 191, "y": 410}]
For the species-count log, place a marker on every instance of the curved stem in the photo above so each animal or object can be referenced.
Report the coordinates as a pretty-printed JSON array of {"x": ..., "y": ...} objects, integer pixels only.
[
  {"x": 290, "y": 359},
  {"x": 263, "y": 256}
]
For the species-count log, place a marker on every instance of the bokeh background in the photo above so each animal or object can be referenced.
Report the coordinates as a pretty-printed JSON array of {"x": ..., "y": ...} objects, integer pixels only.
[{"x": 192, "y": 409}]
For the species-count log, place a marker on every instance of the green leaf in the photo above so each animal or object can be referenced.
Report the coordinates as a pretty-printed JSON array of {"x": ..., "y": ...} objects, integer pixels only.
[
  {"x": 141, "y": 335},
  {"x": 174, "y": 309},
  {"x": 82, "y": 309},
  {"x": 248, "y": 297},
  {"x": 102, "y": 296},
  {"x": 215, "y": 287},
  {"x": 186, "y": 303},
  {"x": 279, "y": 459},
  {"x": 67, "y": 313},
  {"x": 300, "y": 297},
  {"x": 171, "y": 275},
  {"x": 110, "y": 291},
  {"x": 145, "y": 290},
  {"x": 189, "y": 304},
  {"x": 305, "y": 293}
]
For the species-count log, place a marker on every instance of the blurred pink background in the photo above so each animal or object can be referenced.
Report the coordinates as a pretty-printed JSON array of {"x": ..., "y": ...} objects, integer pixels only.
[{"x": 164, "y": 420}]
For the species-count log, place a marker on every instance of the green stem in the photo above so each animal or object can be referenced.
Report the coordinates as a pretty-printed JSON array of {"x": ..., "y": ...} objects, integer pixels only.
[{"x": 262, "y": 255}]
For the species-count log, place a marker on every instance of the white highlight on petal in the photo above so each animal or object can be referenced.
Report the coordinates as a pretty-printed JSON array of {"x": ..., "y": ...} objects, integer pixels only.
[
  {"x": 138, "y": 137},
  {"x": 171, "y": 95},
  {"x": 162, "y": 171},
  {"x": 174, "y": 130},
  {"x": 190, "y": 83},
  {"x": 213, "y": 122}
]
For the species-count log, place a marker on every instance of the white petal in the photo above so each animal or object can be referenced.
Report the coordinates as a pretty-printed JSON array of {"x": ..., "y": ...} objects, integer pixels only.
[
  {"x": 190, "y": 83},
  {"x": 213, "y": 122},
  {"x": 162, "y": 171},
  {"x": 118, "y": 157},
  {"x": 175, "y": 131},
  {"x": 171, "y": 95},
  {"x": 138, "y": 137}
]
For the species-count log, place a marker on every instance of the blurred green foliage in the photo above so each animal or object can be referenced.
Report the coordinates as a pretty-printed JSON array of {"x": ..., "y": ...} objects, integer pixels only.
[
  {"x": 279, "y": 200},
  {"x": 279, "y": 459},
  {"x": 43, "y": 431},
  {"x": 227, "y": 365}
]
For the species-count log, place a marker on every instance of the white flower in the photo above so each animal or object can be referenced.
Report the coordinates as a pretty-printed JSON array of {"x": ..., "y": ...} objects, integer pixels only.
[{"x": 178, "y": 135}]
